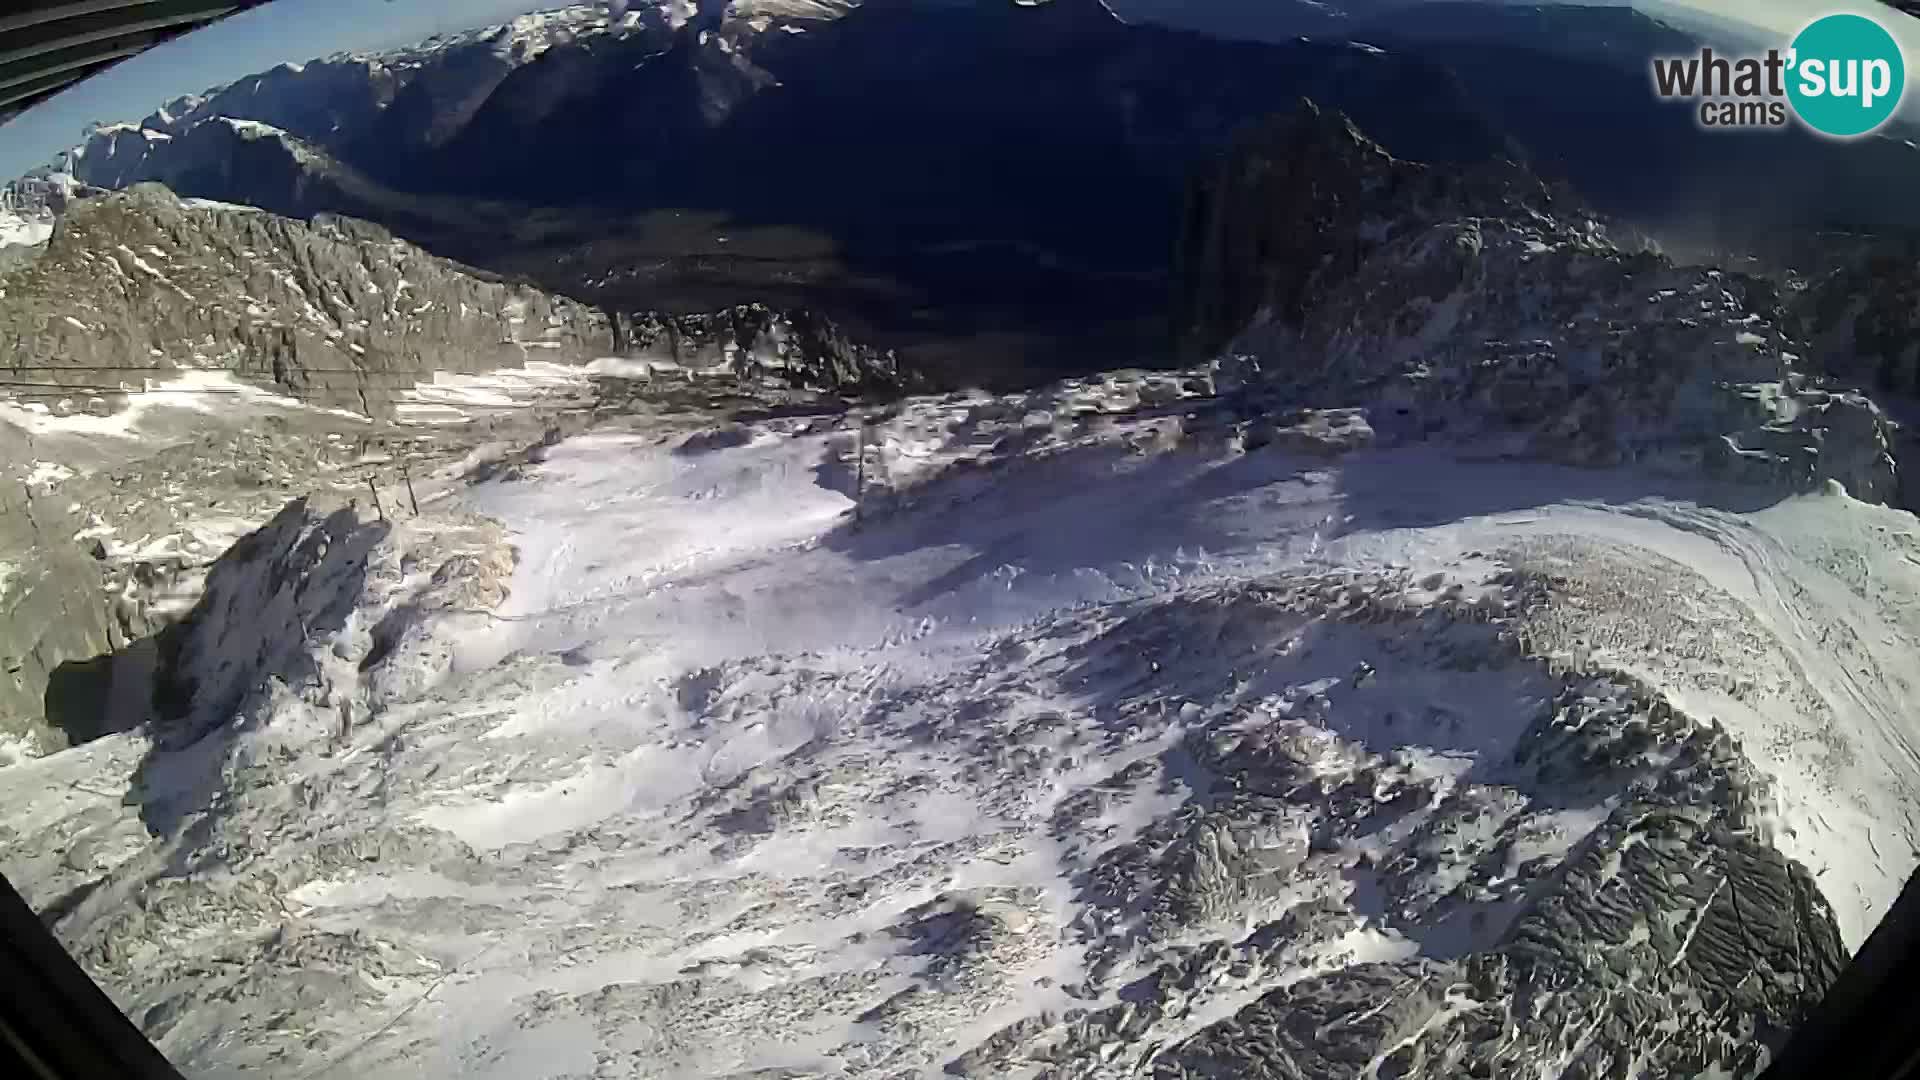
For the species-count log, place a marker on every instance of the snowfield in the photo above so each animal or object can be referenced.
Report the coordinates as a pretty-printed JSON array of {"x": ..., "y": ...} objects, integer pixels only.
[{"x": 1050, "y": 739}]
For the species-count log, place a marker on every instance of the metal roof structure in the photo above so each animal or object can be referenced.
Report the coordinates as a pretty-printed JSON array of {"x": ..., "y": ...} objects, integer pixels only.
[{"x": 47, "y": 45}]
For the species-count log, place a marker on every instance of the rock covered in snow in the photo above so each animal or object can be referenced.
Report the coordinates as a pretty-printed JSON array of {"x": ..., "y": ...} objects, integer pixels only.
[
  {"x": 1098, "y": 730},
  {"x": 752, "y": 342},
  {"x": 235, "y": 359},
  {"x": 1478, "y": 304},
  {"x": 268, "y": 600}
]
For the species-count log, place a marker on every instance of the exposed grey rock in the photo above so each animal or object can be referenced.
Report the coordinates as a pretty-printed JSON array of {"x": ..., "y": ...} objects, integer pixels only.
[
  {"x": 54, "y": 607},
  {"x": 1293, "y": 209},
  {"x": 1228, "y": 828},
  {"x": 139, "y": 284},
  {"x": 1672, "y": 935},
  {"x": 1860, "y": 318},
  {"x": 1326, "y": 432},
  {"x": 1862, "y": 315},
  {"x": 267, "y": 598}
]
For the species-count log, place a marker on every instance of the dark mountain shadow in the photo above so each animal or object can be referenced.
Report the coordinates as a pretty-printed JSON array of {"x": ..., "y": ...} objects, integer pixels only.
[
  {"x": 1415, "y": 487},
  {"x": 102, "y": 695}
]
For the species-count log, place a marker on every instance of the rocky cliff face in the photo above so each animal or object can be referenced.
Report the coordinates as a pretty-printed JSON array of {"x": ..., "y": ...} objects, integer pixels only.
[
  {"x": 1862, "y": 313},
  {"x": 171, "y": 369},
  {"x": 141, "y": 284},
  {"x": 754, "y": 343},
  {"x": 1480, "y": 305},
  {"x": 1280, "y": 807},
  {"x": 55, "y": 606}
]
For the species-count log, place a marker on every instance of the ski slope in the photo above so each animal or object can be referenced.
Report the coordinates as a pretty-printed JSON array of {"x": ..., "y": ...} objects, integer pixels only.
[{"x": 727, "y": 561}]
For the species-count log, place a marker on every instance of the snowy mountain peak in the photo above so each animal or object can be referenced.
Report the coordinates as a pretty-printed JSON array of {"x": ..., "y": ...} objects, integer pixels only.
[{"x": 525, "y": 38}]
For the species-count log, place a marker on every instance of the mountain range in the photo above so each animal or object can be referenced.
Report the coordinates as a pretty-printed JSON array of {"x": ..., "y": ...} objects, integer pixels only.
[{"x": 858, "y": 159}]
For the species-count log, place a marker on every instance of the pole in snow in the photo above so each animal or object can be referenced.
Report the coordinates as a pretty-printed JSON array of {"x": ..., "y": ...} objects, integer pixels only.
[{"x": 859, "y": 466}]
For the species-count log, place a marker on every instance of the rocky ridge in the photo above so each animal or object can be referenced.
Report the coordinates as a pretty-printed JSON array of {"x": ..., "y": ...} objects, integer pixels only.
[
  {"x": 1481, "y": 305},
  {"x": 338, "y": 312},
  {"x": 412, "y": 98},
  {"x": 322, "y": 343},
  {"x": 908, "y": 238},
  {"x": 1862, "y": 313}
]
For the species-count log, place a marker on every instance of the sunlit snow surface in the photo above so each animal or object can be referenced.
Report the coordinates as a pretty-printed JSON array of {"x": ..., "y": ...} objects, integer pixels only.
[
  {"x": 731, "y": 781},
  {"x": 676, "y": 563},
  {"x": 24, "y": 229}
]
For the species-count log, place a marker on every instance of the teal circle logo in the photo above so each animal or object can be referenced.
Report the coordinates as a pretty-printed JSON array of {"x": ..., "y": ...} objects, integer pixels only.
[{"x": 1846, "y": 75}]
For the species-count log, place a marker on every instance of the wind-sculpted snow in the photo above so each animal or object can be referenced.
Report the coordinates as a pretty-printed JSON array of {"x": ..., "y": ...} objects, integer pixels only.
[{"x": 1097, "y": 744}]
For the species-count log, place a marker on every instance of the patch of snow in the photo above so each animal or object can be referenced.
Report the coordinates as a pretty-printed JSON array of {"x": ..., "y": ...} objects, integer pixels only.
[
  {"x": 48, "y": 474},
  {"x": 251, "y": 129},
  {"x": 17, "y": 229},
  {"x": 457, "y": 399},
  {"x": 155, "y": 403},
  {"x": 213, "y": 204},
  {"x": 627, "y": 368}
]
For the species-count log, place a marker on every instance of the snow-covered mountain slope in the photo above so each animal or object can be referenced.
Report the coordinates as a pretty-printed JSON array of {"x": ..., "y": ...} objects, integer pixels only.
[
  {"x": 433, "y": 86},
  {"x": 1299, "y": 713},
  {"x": 24, "y": 227},
  {"x": 1065, "y": 734},
  {"x": 29, "y": 207}
]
